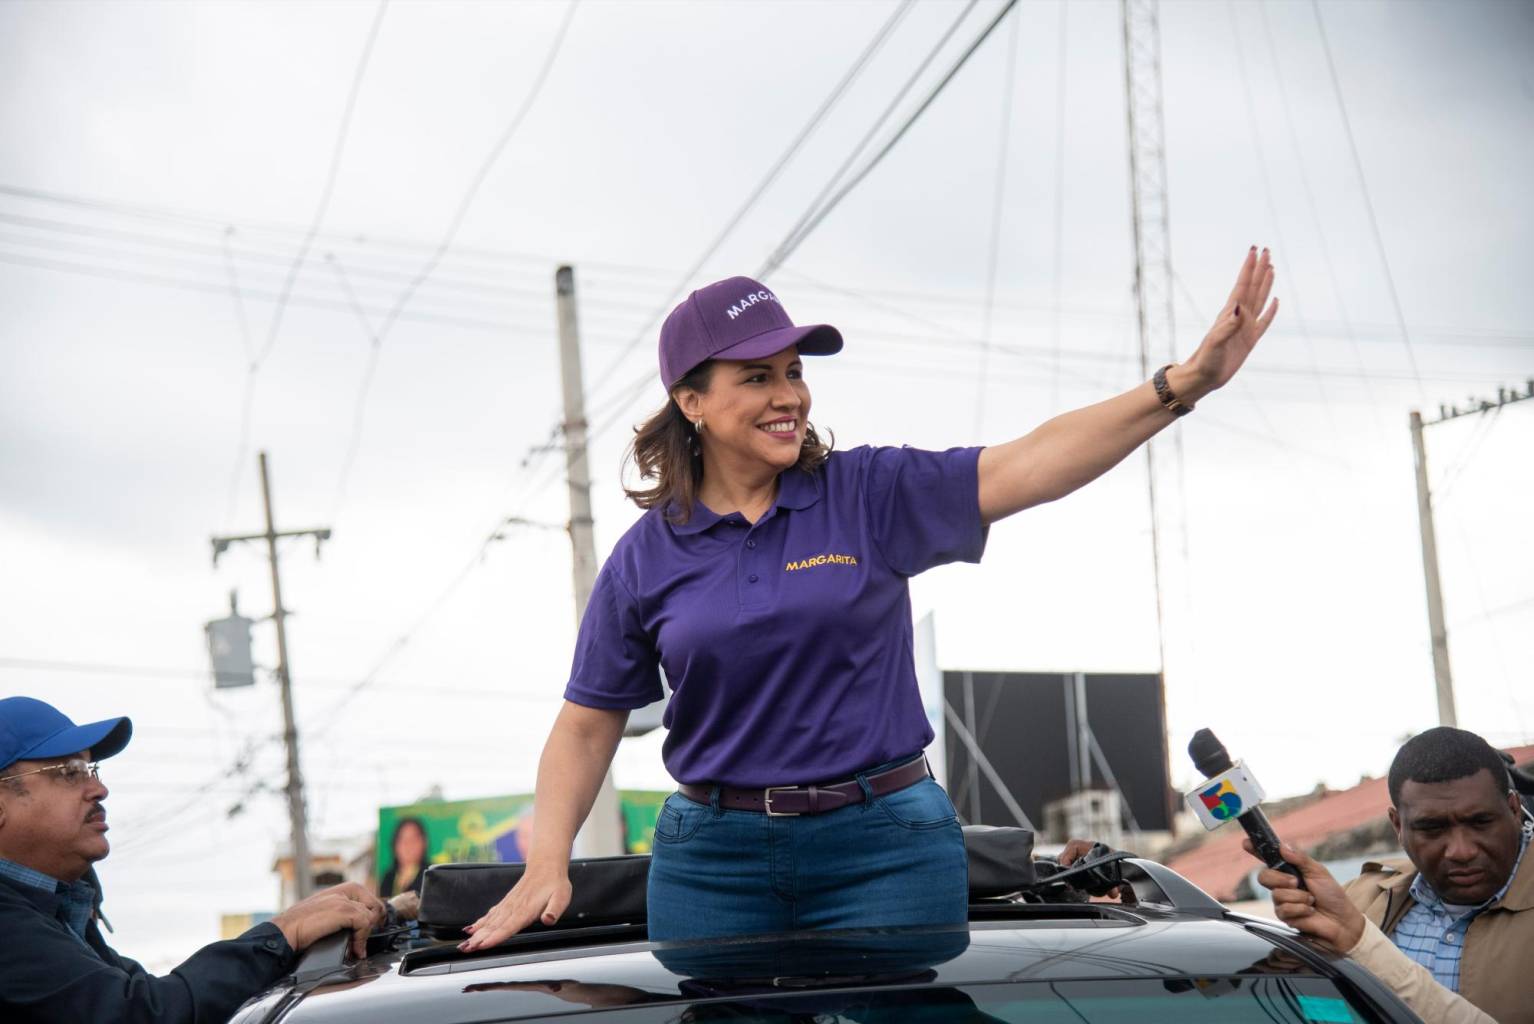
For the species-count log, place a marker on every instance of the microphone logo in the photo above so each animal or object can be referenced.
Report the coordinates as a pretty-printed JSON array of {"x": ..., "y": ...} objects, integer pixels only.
[
  {"x": 1225, "y": 797},
  {"x": 1222, "y": 800}
]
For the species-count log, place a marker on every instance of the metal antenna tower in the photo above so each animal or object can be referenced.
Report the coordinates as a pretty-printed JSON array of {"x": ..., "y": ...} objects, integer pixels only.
[{"x": 1152, "y": 235}]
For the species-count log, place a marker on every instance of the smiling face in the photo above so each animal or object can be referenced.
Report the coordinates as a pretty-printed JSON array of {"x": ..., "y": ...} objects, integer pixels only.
[
  {"x": 754, "y": 413},
  {"x": 50, "y": 825},
  {"x": 1462, "y": 835}
]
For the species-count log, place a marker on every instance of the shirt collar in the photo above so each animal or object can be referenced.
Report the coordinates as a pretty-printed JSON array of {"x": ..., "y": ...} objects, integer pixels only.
[
  {"x": 23, "y": 875},
  {"x": 1423, "y": 893},
  {"x": 796, "y": 490},
  {"x": 701, "y": 519}
]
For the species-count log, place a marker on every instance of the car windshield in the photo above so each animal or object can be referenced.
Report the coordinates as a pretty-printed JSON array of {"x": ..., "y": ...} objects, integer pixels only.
[{"x": 1256, "y": 999}]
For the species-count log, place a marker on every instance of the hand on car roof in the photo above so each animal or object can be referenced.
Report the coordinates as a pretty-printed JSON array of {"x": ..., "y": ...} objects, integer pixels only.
[{"x": 542, "y": 894}]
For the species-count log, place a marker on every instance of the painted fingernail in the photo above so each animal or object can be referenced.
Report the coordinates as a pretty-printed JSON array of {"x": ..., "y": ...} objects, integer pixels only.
[{"x": 1238, "y": 309}]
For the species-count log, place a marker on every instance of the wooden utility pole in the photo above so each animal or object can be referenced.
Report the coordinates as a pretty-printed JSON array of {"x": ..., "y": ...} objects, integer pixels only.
[
  {"x": 602, "y": 834},
  {"x": 1435, "y": 623},
  {"x": 298, "y": 824}
]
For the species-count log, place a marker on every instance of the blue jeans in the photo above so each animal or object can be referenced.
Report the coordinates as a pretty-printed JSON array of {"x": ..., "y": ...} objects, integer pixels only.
[{"x": 897, "y": 860}]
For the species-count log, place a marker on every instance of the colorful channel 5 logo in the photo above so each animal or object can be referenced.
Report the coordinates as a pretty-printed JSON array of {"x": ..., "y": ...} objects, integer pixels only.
[{"x": 1223, "y": 801}]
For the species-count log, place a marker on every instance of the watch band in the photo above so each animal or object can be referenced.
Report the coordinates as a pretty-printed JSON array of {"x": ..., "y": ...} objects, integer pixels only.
[{"x": 1173, "y": 404}]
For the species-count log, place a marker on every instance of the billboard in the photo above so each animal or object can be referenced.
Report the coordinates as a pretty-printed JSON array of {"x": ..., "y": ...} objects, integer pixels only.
[
  {"x": 1024, "y": 724},
  {"x": 497, "y": 828}
]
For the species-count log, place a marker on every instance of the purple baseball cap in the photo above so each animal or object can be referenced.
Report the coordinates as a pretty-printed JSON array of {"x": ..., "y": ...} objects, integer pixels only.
[
  {"x": 736, "y": 318},
  {"x": 32, "y": 730}
]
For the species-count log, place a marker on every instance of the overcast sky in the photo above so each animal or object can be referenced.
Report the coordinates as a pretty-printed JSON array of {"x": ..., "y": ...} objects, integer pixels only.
[{"x": 160, "y": 164}]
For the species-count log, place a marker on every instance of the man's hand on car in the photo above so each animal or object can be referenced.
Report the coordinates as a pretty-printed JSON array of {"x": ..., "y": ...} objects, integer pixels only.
[
  {"x": 407, "y": 905},
  {"x": 1075, "y": 849},
  {"x": 1078, "y": 850},
  {"x": 348, "y": 906},
  {"x": 542, "y": 894},
  {"x": 1323, "y": 912}
]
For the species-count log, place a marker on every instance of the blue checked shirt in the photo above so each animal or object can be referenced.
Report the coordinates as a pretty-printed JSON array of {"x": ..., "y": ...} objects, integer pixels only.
[
  {"x": 1433, "y": 932},
  {"x": 76, "y": 899}
]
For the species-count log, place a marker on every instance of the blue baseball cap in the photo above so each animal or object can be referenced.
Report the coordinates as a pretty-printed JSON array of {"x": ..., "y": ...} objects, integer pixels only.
[
  {"x": 31, "y": 730},
  {"x": 736, "y": 318}
]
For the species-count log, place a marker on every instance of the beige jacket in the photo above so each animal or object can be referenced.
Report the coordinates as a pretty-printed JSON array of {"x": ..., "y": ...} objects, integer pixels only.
[
  {"x": 1496, "y": 970},
  {"x": 1413, "y": 983}
]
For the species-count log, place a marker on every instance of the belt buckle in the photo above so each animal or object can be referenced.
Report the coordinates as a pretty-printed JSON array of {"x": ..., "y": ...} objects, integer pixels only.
[{"x": 767, "y": 802}]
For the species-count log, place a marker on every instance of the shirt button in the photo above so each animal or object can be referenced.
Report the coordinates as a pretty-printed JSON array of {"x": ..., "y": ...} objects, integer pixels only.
[
  {"x": 750, "y": 543},
  {"x": 752, "y": 578}
]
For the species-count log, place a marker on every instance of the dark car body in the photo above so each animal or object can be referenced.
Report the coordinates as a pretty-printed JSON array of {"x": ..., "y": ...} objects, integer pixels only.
[{"x": 1173, "y": 955}]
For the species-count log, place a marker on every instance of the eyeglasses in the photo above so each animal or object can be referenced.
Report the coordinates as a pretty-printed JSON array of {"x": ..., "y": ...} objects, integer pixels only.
[{"x": 71, "y": 773}]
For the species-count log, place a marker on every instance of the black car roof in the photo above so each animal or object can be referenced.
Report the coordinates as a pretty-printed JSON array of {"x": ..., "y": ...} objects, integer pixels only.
[{"x": 1044, "y": 944}]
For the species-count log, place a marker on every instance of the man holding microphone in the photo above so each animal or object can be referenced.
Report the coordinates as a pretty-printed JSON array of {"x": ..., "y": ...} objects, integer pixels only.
[{"x": 1453, "y": 931}]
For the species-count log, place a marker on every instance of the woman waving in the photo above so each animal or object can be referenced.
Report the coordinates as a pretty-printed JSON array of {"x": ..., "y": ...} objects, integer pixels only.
[{"x": 768, "y": 578}]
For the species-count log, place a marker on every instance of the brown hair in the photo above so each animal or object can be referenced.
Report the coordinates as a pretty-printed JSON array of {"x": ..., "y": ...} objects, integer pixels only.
[{"x": 666, "y": 450}]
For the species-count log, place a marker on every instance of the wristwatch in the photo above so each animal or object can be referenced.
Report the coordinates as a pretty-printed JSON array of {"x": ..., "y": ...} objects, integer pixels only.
[{"x": 1173, "y": 404}]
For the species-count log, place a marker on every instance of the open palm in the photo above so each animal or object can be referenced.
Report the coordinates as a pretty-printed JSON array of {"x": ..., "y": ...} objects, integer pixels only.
[{"x": 1240, "y": 325}]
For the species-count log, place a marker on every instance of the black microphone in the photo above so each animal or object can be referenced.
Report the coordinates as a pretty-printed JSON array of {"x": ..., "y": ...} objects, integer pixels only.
[{"x": 1235, "y": 795}]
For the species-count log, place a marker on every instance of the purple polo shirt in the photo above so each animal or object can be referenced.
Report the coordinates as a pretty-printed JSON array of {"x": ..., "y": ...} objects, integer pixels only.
[{"x": 787, "y": 642}]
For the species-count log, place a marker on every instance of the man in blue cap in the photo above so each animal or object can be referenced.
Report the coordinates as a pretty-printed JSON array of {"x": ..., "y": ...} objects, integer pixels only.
[{"x": 56, "y": 966}]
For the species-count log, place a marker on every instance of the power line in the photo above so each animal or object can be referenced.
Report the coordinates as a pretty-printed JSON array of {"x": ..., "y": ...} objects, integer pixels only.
[
  {"x": 248, "y": 391},
  {"x": 469, "y": 195},
  {"x": 164, "y": 817},
  {"x": 812, "y": 216},
  {"x": 1467, "y": 453},
  {"x": 826, "y": 106},
  {"x": 1457, "y": 336},
  {"x": 253, "y": 365},
  {"x": 389, "y": 245},
  {"x": 1291, "y": 283},
  {"x": 1310, "y": 197},
  {"x": 359, "y": 406},
  {"x": 329, "y": 188},
  {"x": 212, "y": 288},
  {"x": 1374, "y": 224},
  {"x": 459, "y": 215},
  {"x": 943, "y": 332},
  {"x": 949, "y": 334},
  {"x": 369, "y": 679},
  {"x": 496, "y": 290},
  {"x": 788, "y": 246},
  {"x": 239, "y": 302},
  {"x": 170, "y": 674},
  {"x": 993, "y": 260}
]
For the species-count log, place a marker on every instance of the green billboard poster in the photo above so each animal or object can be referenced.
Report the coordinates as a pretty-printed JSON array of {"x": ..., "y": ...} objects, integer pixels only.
[{"x": 497, "y": 828}]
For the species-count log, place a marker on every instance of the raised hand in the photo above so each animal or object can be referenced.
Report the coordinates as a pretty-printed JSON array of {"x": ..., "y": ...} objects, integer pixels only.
[
  {"x": 1240, "y": 325},
  {"x": 541, "y": 894}
]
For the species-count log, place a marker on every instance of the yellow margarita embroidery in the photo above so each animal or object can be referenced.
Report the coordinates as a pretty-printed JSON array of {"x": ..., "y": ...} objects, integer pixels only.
[{"x": 818, "y": 560}]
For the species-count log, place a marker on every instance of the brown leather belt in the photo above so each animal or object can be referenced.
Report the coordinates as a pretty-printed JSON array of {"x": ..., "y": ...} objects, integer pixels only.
[{"x": 791, "y": 801}]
